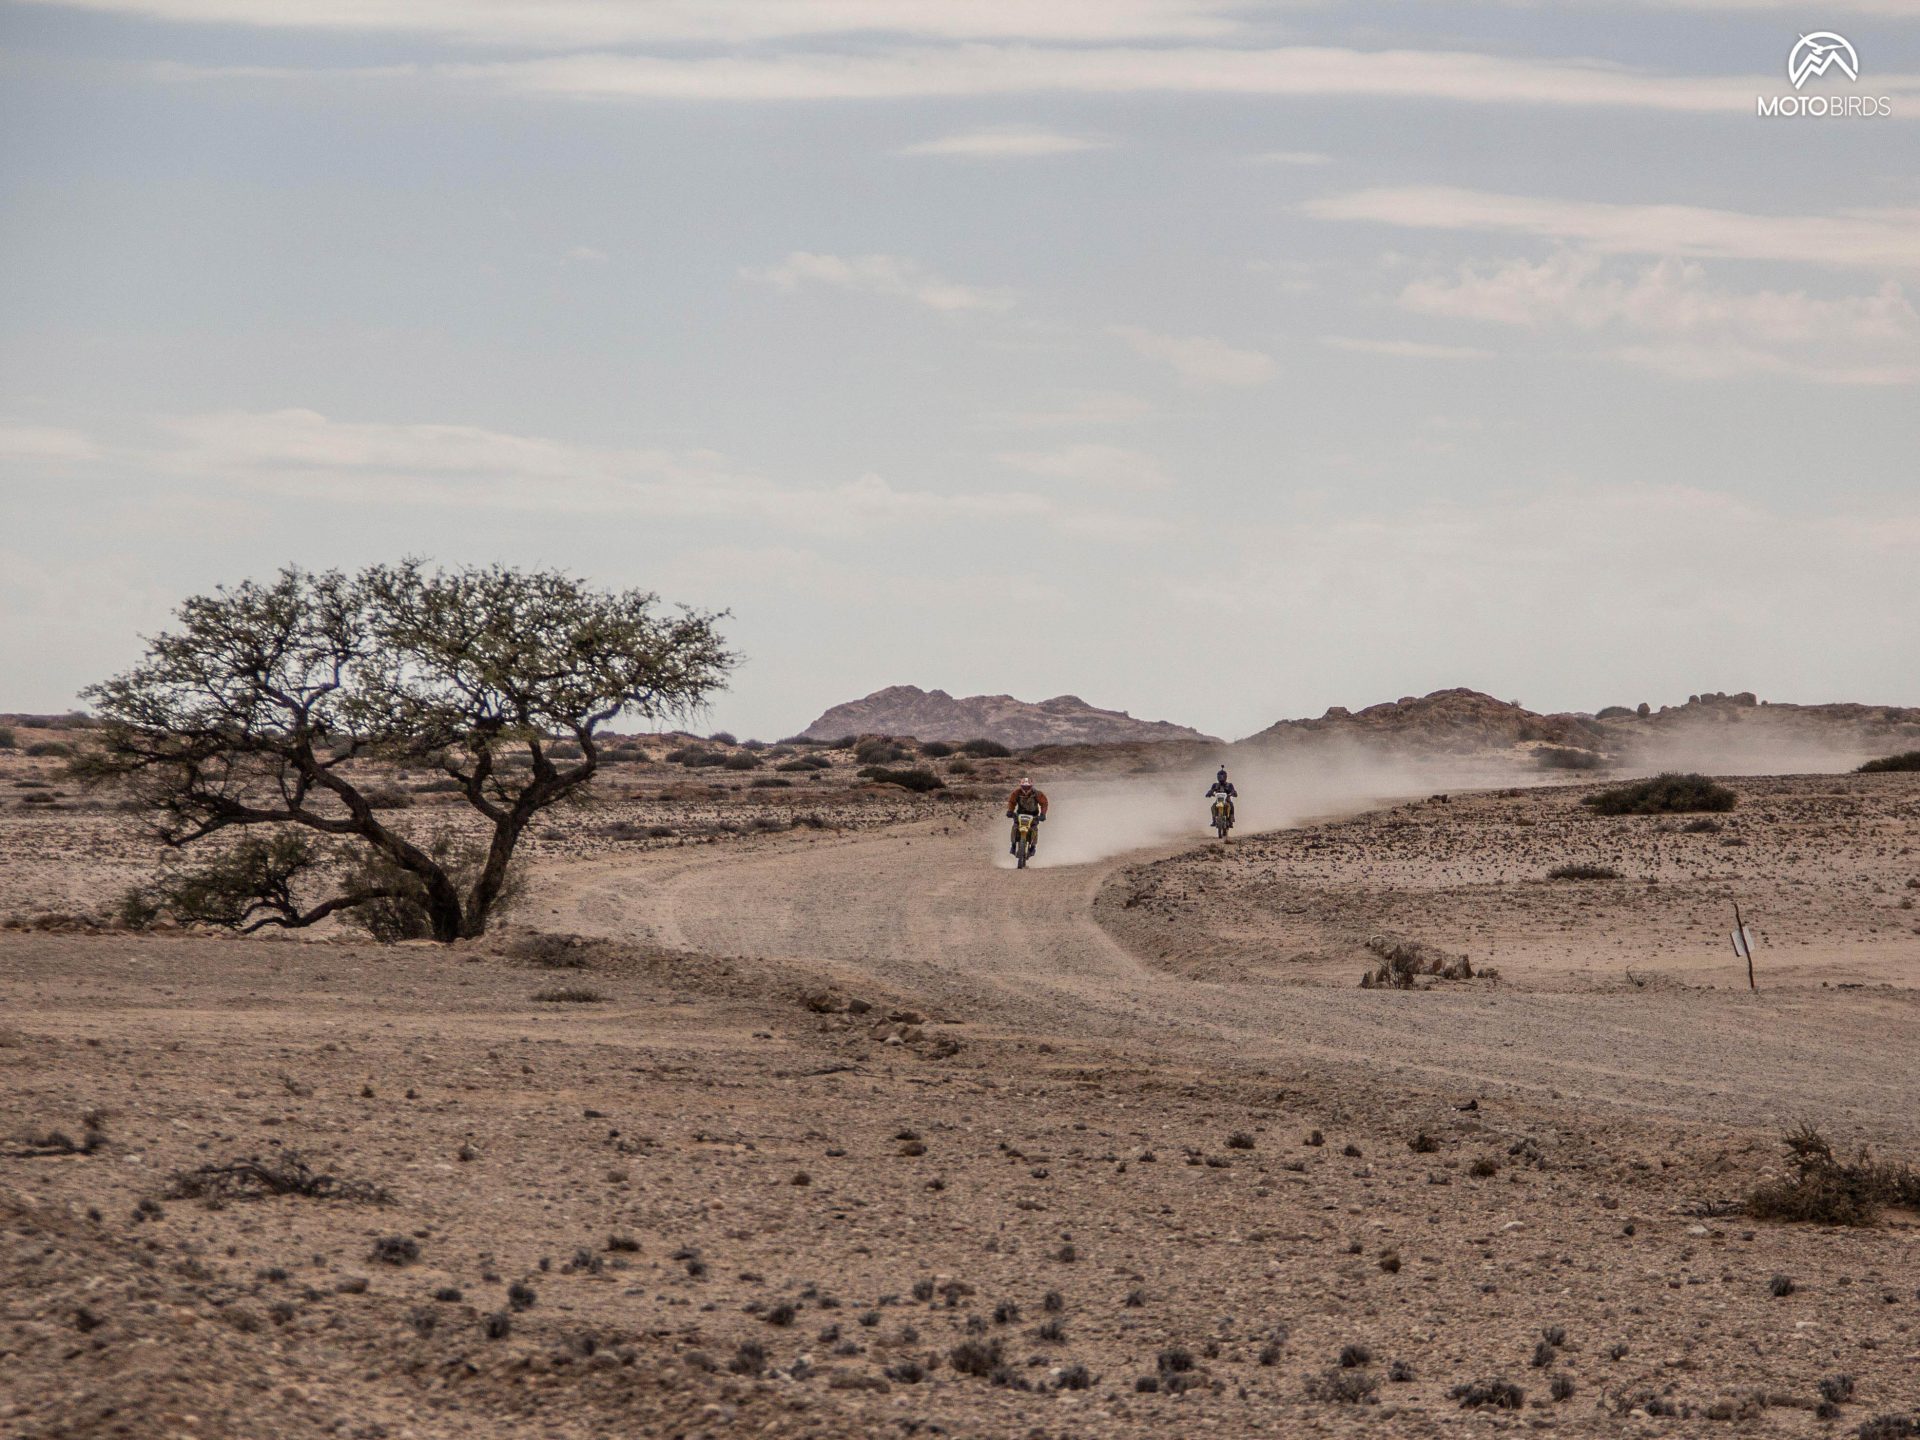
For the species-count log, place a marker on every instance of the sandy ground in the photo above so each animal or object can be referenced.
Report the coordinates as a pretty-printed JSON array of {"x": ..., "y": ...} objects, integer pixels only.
[{"x": 1087, "y": 1128}]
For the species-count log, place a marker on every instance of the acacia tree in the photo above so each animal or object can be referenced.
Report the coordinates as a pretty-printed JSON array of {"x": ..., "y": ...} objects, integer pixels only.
[{"x": 253, "y": 711}]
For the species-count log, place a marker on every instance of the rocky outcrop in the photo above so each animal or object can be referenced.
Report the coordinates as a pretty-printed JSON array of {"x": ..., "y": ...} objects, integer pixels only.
[
  {"x": 1457, "y": 721},
  {"x": 935, "y": 715}
]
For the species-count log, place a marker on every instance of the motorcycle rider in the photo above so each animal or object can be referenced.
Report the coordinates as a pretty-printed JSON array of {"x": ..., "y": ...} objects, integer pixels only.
[
  {"x": 1223, "y": 786},
  {"x": 1028, "y": 801}
]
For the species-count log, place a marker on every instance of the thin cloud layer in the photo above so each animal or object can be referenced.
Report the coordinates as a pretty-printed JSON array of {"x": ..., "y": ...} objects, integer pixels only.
[
  {"x": 1887, "y": 238},
  {"x": 1007, "y": 143},
  {"x": 571, "y": 23},
  {"x": 889, "y": 275},
  {"x": 1199, "y": 360},
  {"x": 1405, "y": 349},
  {"x": 1689, "y": 327}
]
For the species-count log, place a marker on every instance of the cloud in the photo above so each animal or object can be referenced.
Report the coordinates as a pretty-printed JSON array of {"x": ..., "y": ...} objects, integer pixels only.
[
  {"x": 461, "y": 467},
  {"x": 1699, "y": 331},
  {"x": 1405, "y": 349},
  {"x": 918, "y": 71},
  {"x": 1290, "y": 157},
  {"x": 1091, "y": 464},
  {"x": 1007, "y": 143},
  {"x": 21, "y": 442},
  {"x": 1199, "y": 360},
  {"x": 1090, "y": 407},
  {"x": 1876, "y": 239},
  {"x": 574, "y": 23},
  {"x": 889, "y": 275}
]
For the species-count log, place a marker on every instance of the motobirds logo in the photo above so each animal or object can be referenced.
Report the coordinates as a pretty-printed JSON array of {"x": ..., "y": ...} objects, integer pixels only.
[{"x": 1816, "y": 55}]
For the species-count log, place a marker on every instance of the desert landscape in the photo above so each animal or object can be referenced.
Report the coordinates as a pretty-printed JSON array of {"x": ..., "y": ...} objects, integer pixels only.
[{"x": 780, "y": 1104}]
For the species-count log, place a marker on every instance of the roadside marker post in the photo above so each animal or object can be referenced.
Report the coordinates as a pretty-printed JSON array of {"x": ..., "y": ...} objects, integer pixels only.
[{"x": 1743, "y": 944}]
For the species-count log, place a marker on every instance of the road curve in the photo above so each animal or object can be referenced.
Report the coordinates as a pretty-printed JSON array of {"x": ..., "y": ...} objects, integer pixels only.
[{"x": 925, "y": 911}]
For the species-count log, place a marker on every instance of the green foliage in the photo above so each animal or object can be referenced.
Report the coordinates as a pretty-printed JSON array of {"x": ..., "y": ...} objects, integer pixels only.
[
  {"x": 249, "y": 884},
  {"x": 1888, "y": 764},
  {"x": 1665, "y": 794},
  {"x": 984, "y": 749},
  {"x": 247, "y": 712}
]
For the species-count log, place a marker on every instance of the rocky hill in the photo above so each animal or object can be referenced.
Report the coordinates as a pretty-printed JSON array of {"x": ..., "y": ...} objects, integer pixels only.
[
  {"x": 936, "y": 715},
  {"x": 1455, "y": 721},
  {"x": 1713, "y": 730}
]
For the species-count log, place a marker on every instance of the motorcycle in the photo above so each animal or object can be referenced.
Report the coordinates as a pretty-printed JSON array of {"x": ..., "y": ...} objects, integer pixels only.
[
  {"x": 1222, "y": 815},
  {"x": 1026, "y": 831}
]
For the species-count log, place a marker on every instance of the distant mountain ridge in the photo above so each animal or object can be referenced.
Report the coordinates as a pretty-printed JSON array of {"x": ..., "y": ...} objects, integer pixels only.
[
  {"x": 1462, "y": 722},
  {"x": 936, "y": 715}
]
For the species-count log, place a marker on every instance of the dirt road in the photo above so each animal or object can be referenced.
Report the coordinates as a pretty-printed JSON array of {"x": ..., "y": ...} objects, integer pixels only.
[{"x": 926, "y": 912}]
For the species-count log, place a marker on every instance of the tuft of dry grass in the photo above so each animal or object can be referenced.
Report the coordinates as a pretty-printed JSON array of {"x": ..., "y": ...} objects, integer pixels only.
[{"x": 569, "y": 995}]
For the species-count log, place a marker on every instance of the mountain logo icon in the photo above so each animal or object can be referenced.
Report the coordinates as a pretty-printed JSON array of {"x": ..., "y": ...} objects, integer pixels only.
[{"x": 1818, "y": 53}]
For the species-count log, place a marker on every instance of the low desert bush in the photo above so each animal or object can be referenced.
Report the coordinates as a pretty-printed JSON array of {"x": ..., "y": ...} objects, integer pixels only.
[
  {"x": 1493, "y": 1394},
  {"x": 960, "y": 765},
  {"x": 1567, "y": 757},
  {"x": 985, "y": 749},
  {"x": 723, "y": 737},
  {"x": 935, "y": 749},
  {"x": 254, "y": 1178},
  {"x": 8, "y": 739},
  {"x": 1826, "y": 1190},
  {"x": 1583, "y": 870},
  {"x": 919, "y": 781},
  {"x": 695, "y": 757},
  {"x": 1667, "y": 794},
  {"x": 1402, "y": 960},
  {"x": 742, "y": 761},
  {"x": 1907, "y": 760},
  {"x": 1342, "y": 1387},
  {"x": 569, "y": 995},
  {"x": 49, "y": 749},
  {"x": 879, "y": 752}
]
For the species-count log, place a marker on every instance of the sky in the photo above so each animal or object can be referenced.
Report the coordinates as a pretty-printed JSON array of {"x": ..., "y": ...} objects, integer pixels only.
[{"x": 1217, "y": 362}]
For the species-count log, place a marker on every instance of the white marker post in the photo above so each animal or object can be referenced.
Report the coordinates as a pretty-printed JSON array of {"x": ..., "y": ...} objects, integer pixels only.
[{"x": 1743, "y": 944}]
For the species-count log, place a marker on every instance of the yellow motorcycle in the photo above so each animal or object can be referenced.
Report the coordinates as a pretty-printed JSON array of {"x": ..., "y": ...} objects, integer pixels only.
[
  {"x": 1222, "y": 815},
  {"x": 1026, "y": 832}
]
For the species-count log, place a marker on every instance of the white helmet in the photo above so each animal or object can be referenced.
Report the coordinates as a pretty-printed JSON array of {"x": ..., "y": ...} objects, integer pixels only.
[{"x": 1025, "y": 783}]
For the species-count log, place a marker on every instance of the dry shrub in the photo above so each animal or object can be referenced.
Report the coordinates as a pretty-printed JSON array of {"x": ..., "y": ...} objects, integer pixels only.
[
  {"x": 1887, "y": 764},
  {"x": 1583, "y": 870},
  {"x": 285, "y": 1174},
  {"x": 1825, "y": 1190},
  {"x": 1403, "y": 960},
  {"x": 1667, "y": 794}
]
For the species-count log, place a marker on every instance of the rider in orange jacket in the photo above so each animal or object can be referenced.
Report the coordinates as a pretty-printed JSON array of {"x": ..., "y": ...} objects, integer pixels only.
[{"x": 1027, "y": 800}]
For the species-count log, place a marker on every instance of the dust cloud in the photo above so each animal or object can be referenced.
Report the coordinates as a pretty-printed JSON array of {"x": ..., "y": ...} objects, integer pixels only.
[{"x": 1093, "y": 817}]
